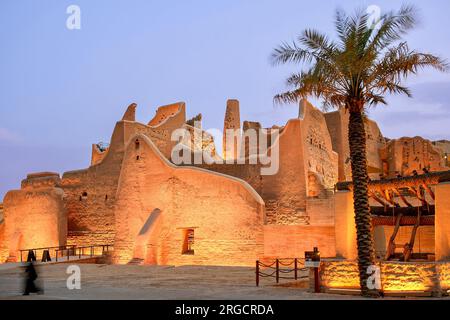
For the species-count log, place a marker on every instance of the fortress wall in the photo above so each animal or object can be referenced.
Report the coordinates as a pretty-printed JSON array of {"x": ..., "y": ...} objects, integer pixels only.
[
  {"x": 89, "y": 200},
  {"x": 226, "y": 214},
  {"x": 292, "y": 241},
  {"x": 34, "y": 218},
  {"x": 90, "y": 195}
]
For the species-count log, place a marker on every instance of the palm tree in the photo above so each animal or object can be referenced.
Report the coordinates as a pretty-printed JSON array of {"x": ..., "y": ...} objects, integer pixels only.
[{"x": 356, "y": 71}]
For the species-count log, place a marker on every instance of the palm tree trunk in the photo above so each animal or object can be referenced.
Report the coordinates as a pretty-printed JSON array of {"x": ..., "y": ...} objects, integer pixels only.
[{"x": 363, "y": 218}]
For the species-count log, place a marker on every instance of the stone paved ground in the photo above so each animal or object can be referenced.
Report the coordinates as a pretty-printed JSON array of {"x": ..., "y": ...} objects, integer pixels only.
[{"x": 152, "y": 282}]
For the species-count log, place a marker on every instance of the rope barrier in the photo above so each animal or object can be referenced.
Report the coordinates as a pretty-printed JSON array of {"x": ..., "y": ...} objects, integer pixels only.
[{"x": 277, "y": 270}]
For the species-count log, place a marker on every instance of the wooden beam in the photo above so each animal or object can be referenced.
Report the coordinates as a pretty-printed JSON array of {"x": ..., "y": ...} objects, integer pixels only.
[
  {"x": 419, "y": 195},
  {"x": 388, "y": 197},
  {"x": 377, "y": 199},
  {"x": 402, "y": 197},
  {"x": 431, "y": 178},
  {"x": 405, "y": 211},
  {"x": 427, "y": 188}
]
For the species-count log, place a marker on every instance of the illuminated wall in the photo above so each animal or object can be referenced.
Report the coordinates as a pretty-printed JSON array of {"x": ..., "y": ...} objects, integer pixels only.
[
  {"x": 35, "y": 215},
  {"x": 226, "y": 214}
]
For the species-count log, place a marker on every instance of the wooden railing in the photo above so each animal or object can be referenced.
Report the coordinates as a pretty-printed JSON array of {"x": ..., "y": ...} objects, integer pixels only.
[
  {"x": 35, "y": 250},
  {"x": 287, "y": 268},
  {"x": 69, "y": 251}
]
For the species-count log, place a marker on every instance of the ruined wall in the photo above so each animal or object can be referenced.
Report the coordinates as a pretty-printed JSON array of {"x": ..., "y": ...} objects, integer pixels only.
[
  {"x": 406, "y": 155},
  {"x": 35, "y": 215},
  {"x": 232, "y": 122},
  {"x": 226, "y": 214}
]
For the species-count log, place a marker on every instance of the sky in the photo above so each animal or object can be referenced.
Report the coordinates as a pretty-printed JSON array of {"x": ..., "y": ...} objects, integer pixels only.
[{"x": 62, "y": 90}]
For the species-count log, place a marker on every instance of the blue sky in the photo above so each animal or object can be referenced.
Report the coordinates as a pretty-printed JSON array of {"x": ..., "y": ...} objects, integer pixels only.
[{"x": 62, "y": 90}]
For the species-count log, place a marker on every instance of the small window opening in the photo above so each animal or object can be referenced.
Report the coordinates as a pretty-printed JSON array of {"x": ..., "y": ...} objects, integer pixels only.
[
  {"x": 83, "y": 196},
  {"x": 136, "y": 144},
  {"x": 137, "y": 157},
  {"x": 106, "y": 197},
  {"x": 188, "y": 241}
]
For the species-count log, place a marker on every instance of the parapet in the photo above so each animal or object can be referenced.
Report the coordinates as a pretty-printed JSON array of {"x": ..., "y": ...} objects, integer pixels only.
[
  {"x": 165, "y": 112},
  {"x": 41, "y": 180},
  {"x": 130, "y": 114}
]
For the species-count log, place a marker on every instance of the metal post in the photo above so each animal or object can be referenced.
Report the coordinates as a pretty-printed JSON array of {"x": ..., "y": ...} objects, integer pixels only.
[
  {"x": 68, "y": 254},
  {"x": 295, "y": 268},
  {"x": 91, "y": 251},
  {"x": 278, "y": 270},
  {"x": 21, "y": 256},
  {"x": 257, "y": 273},
  {"x": 316, "y": 280}
]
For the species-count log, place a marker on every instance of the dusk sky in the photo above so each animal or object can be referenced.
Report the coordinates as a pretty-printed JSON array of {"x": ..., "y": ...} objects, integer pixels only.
[{"x": 62, "y": 90}]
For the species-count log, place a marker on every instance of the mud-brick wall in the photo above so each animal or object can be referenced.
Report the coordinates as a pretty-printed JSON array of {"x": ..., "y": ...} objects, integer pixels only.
[
  {"x": 292, "y": 241},
  {"x": 321, "y": 210},
  {"x": 89, "y": 201},
  {"x": 251, "y": 173},
  {"x": 34, "y": 218},
  {"x": 395, "y": 276},
  {"x": 226, "y": 214}
]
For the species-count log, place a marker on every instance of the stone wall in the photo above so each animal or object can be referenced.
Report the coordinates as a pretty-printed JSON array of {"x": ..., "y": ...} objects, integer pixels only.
[
  {"x": 395, "y": 276},
  {"x": 226, "y": 214}
]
